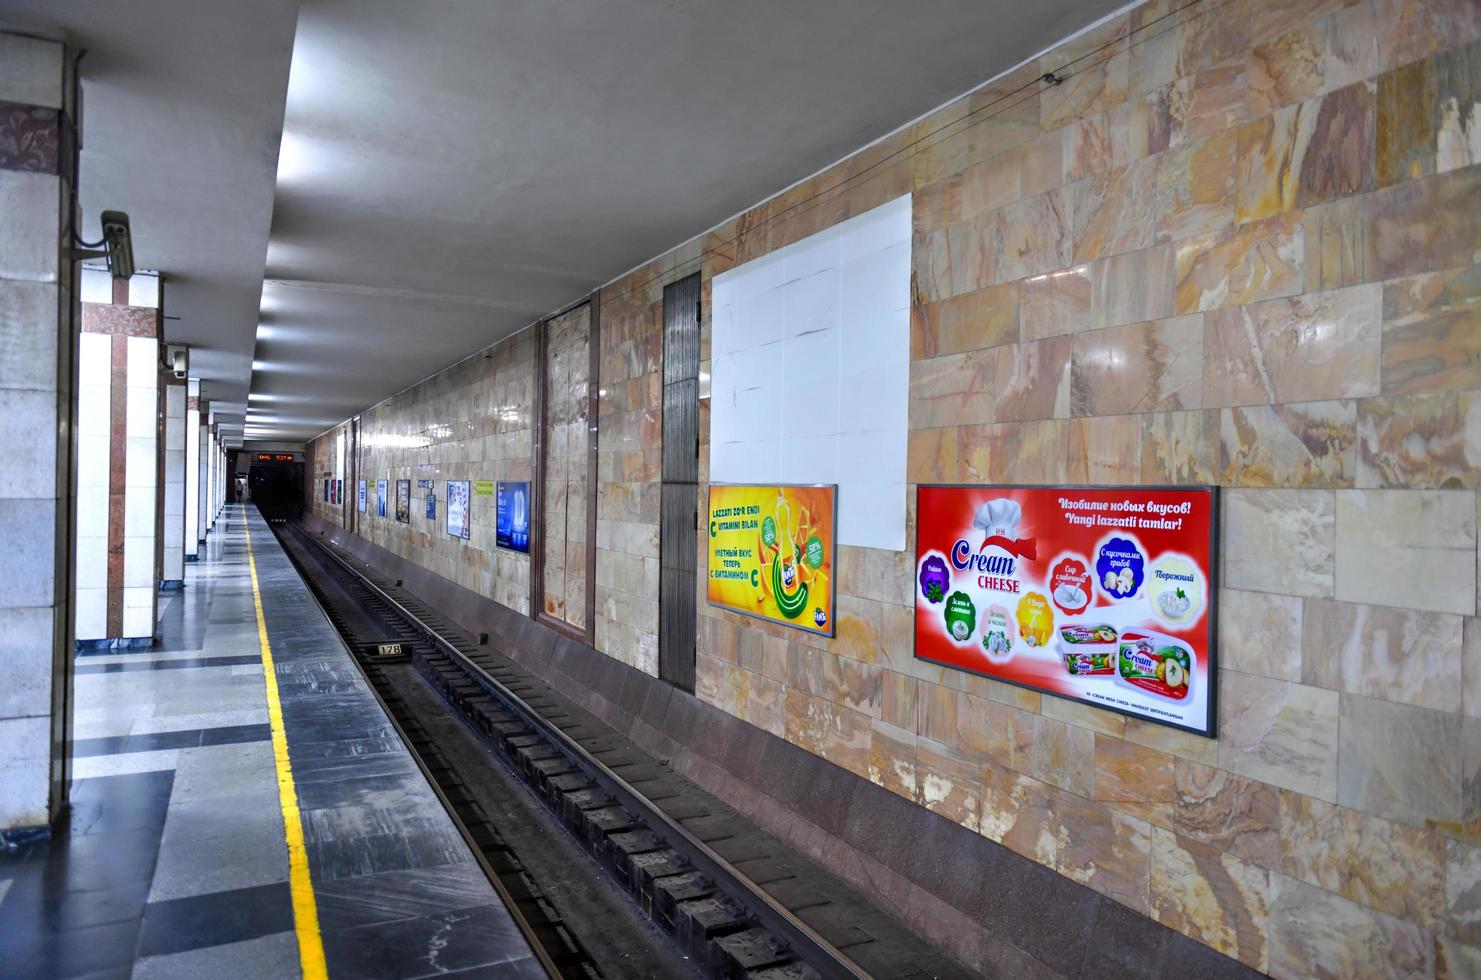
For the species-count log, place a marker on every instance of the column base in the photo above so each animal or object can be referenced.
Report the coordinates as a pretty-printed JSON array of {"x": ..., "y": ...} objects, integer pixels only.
[{"x": 116, "y": 643}]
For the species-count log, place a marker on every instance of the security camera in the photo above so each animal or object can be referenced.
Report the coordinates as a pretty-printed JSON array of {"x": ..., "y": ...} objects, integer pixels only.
[
  {"x": 179, "y": 361},
  {"x": 118, "y": 246}
]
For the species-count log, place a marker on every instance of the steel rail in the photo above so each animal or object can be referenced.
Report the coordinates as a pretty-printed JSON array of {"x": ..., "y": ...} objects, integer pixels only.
[{"x": 804, "y": 941}]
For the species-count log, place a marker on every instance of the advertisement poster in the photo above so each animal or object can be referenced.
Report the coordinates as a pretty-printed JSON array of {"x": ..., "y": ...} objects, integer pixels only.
[
  {"x": 403, "y": 501},
  {"x": 339, "y": 492},
  {"x": 429, "y": 496},
  {"x": 362, "y": 496},
  {"x": 326, "y": 491},
  {"x": 512, "y": 521},
  {"x": 459, "y": 523},
  {"x": 380, "y": 498},
  {"x": 771, "y": 553},
  {"x": 1098, "y": 594}
]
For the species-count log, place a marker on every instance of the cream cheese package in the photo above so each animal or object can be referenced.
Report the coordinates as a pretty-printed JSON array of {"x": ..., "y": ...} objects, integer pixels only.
[
  {"x": 1154, "y": 662},
  {"x": 1088, "y": 648}
]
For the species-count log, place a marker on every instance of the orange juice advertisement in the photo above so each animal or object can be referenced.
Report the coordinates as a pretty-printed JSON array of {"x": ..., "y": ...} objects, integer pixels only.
[
  {"x": 1098, "y": 594},
  {"x": 771, "y": 553}
]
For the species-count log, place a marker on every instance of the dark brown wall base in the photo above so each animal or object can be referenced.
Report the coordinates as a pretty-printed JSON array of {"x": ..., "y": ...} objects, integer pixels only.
[{"x": 981, "y": 901}]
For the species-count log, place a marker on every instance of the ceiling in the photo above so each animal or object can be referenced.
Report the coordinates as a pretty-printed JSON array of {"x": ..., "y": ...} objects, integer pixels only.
[
  {"x": 182, "y": 107},
  {"x": 451, "y": 172}
]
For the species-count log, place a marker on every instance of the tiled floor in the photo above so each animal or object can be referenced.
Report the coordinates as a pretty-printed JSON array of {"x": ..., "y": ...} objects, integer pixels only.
[{"x": 172, "y": 861}]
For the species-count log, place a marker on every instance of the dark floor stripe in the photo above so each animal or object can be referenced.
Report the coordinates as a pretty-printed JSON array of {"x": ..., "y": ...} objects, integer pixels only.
[
  {"x": 188, "y": 738},
  {"x": 215, "y": 919},
  {"x": 179, "y": 664}
]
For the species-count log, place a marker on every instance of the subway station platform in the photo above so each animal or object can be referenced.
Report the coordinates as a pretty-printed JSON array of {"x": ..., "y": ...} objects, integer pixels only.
[{"x": 183, "y": 855}]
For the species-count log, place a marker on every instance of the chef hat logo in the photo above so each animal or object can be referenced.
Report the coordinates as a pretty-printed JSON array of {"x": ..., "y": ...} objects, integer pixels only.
[{"x": 999, "y": 518}]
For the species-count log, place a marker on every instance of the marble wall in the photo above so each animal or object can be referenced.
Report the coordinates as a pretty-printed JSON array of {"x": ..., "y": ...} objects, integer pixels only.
[
  {"x": 566, "y": 442},
  {"x": 471, "y": 422},
  {"x": 1237, "y": 243}
]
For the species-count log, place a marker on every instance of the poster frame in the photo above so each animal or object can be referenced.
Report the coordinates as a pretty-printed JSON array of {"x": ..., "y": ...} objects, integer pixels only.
[
  {"x": 529, "y": 547},
  {"x": 362, "y": 497},
  {"x": 397, "y": 511},
  {"x": 467, "y": 509},
  {"x": 1211, "y": 657},
  {"x": 832, "y": 630}
]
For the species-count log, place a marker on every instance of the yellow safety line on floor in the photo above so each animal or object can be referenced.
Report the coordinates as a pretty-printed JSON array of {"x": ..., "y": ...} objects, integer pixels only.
[{"x": 305, "y": 909}]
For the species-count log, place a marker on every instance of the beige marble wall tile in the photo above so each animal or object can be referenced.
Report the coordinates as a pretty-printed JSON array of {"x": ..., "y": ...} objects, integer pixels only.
[
  {"x": 954, "y": 389},
  {"x": 1179, "y": 447},
  {"x": 1016, "y": 452},
  {"x": 1063, "y": 755},
  {"x": 1031, "y": 380},
  {"x": 1335, "y": 244},
  {"x": 1114, "y": 212},
  {"x": 1280, "y": 541},
  {"x": 1288, "y": 67},
  {"x": 1432, "y": 332},
  {"x": 1314, "y": 933},
  {"x": 1184, "y": 745},
  {"x": 1463, "y": 891},
  {"x": 1055, "y": 303},
  {"x": 1098, "y": 82},
  {"x": 1407, "y": 111},
  {"x": 1312, "y": 444},
  {"x": 1212, "y": 896},
  {"x": 1458, "y": 84},
  {"x": 892, "y": 759},
  {"x": 1104, "y": 450},
  {"x": 823, "y": 728},
  {"x": 948, "y": 782},
  {"x": 1383, "y": 865},
  {"x": 1278, "y": 732},
  {"x": 1260, "y": 260},
  {"x": 1228, "y": 812},
  {"x": 1084, "y": 715},
  {"x": 1260, "y": 633},
  {"x": 990, "y": 185},
  {"x": 1383, "y": 652},
  {"x": 931, "y": 456},
  {"x": 1306, "y": 348},
  {"x": 1400, "y": 762},
  {"x": 1132, "y": 287},
  {"x": 1018, "y": 812},
  {"x": 996, "y": 732},
  {"x": 1129, "y": 773},
  {"x": 1420, "y": 441},
  {"x": 1140, "y": 367},
  {"x": 1454, "y": 959},
  {"x": 1032, "y": 237},
  {"x": 1104, "y": 849},
  {"x": 1195, "y": 188},
  {"x": 1097, "y": 143},
  {"x": 1423, "y": 225},
  {"x": 1409, "y": 548},
  {"x": 971, "y": 321},
  {"x": 1471, "y": 667}
]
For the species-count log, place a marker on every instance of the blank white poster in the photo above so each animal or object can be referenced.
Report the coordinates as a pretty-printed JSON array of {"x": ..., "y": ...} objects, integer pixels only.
[{"x": 810, "y": 370}]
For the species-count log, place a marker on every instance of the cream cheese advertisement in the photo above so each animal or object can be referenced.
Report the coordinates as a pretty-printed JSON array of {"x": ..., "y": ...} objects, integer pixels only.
[{"x": 1099, "y": 594}]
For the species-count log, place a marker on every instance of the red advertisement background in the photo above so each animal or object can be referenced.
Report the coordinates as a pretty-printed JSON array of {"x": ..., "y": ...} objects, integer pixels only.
[{"x": 946, "y": 515}]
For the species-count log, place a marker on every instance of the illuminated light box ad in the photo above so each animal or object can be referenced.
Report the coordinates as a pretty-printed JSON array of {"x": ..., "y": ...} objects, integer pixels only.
[
  {"x": 403, "y": 501},
  {"x": 1097, "y": 594},
  {"x": 771, "y": 552},
  {"x": 512, "y": 516},
  {"x": 459, "y": 515}
]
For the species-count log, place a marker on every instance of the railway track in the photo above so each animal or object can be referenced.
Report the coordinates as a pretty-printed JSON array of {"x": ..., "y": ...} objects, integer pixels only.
[{"x": 725, "y": 924}]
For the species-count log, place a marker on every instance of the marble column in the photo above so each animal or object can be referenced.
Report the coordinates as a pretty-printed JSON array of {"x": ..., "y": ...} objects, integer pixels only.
[
  {"x": 118, "y": 459},
  {"x": 38, "y": 350},
  {"x": 192, "y": 469},
  {"x": 172, "y": 479}
]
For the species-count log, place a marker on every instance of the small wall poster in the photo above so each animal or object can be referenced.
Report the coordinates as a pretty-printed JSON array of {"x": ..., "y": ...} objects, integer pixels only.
[
  {"x": 380, "y": 498},
  {"x": 326, "y": 490},
  {"x": 339, "y": 492},
  {"x": 459, "y": 524},
  {"x": 1097, "y": 594},
  {"x": 429, "y": 496},
  {"x": 483, "y": 488},
  {"x": 771, "y": 553},
  {"x": 403, "y": 501},
  {"x": 362, "y": 496},
  {"x": 512, "y": 522}
]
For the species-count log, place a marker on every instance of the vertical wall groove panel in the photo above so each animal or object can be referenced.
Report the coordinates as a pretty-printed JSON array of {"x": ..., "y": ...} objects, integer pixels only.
[{"x": 680, "y": 493}]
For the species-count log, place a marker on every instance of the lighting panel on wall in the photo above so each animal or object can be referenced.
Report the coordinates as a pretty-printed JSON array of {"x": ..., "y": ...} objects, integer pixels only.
[{"x": 810, "y": 370}]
